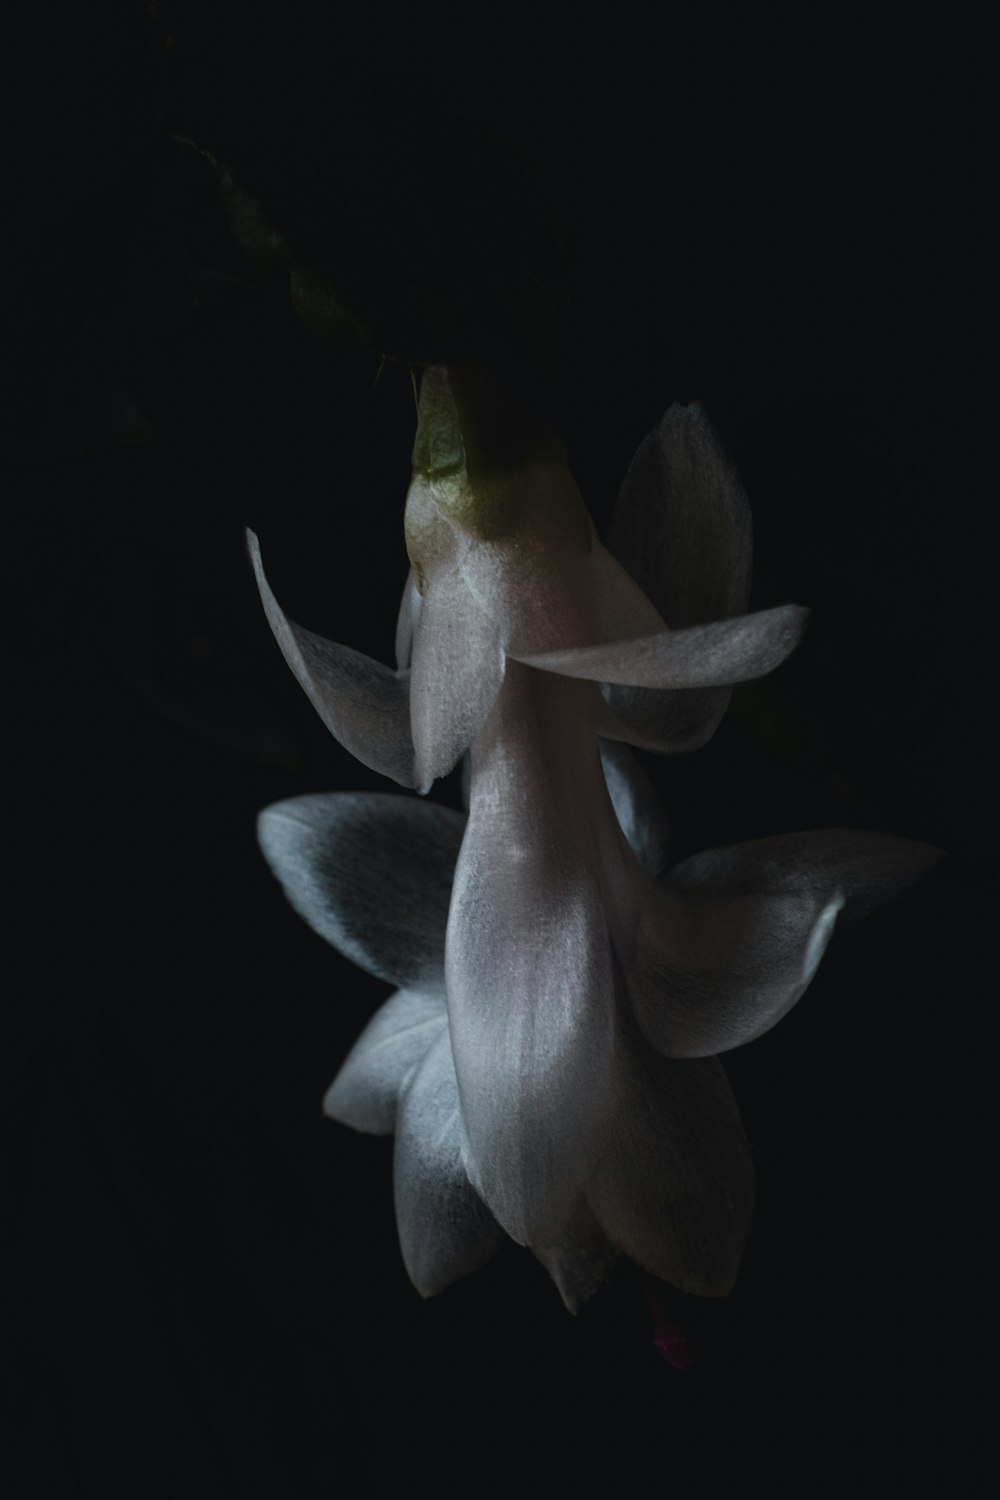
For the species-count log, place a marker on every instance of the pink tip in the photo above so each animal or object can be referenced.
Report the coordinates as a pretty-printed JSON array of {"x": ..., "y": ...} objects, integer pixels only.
[{"x": 673, "y": 1346}]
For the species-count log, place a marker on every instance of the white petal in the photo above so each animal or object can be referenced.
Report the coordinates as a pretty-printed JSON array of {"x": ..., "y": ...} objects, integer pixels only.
[
  {"x": 868, "y": 868},
  {"x": 712, "y": 973},
  {"x": 732, "y": 938},
  {"x": 682, "y": 525},
  {"x": 406, "y": 621},
  {"x": 530, "y": 988},
  {"x": 398, "y": 1037},
  {"x": 445, "y": 1229},
  {"x": 371, "y": 873},
  {"x": 638, "y": 809},
  {"x": 581, "y": 1260},
  {"x": 365, "y": 705},
  {"x": 547, "y": 596},
  {"x": 715, "y": 655},
  {"x": 674, "y": 1190},
  {"x": 457, "y": 670},
  {"x": 682, "y": 529}
]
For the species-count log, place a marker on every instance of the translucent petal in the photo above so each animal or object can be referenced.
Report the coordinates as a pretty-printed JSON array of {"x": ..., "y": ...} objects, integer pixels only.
[
  {"x": 724, "y": 652},
  {"x": 371, "y": 873},
  {"x": 445, "y": 1229},
  {"x": 674, "y": 1189},
  {"x": 682, "y": 529},
  {"x": 638, "y": 809},
  {"x": 711, "y": 973},
  {"x": 682, "y": 526},
  {"x": 458, "y": 667},
  {"x": 365, "y": 705},
  {"x": 398, "y": 1037}
]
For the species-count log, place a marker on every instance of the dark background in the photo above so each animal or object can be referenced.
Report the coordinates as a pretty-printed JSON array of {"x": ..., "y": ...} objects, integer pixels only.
[{"x": 207, "y": 1296}]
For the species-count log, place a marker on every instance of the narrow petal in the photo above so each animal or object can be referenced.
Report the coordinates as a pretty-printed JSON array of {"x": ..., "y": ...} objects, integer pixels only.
[
  {"x": 365, "y": 705},
  {"x": 638, "y": 809},
  {"x": 396, "y": 1040},
  {"x": 715, "y": 655},
  {"x": 458, "y": 667},
  {"x": 868, "y": 868},
  {"x": 581, "y": 1260},
  {"x": 711, "y": 973},
  {"x": 445, "y": 1229},
  {"x": 371, "y": 873},
  {"x": 674, "y": 1190}
]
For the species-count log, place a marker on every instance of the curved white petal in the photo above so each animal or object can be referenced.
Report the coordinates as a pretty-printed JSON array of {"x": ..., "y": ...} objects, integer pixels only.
[
  {"x": 458, "y": 666},
  {"x": 712, "y": 973},
  {"x": 671, "y": 722},
  {"x": 682, "y": 525},
  {"x": 406, "y": 622},
  {"x": 868, "y": 868},
  {"x": 398, "y": 1037},
  {"x": 638, "y": 809},
  {"x": 371, "y": 873},
  {"x": 674, "y": 1189},
  {"x": 548, "y": 596},
  {"x": 530, "y": 986},
  {"x": 719, "y": 654},
  {"x": 445, "y": 1229},
  {"x": 731, "y": 939},
  {"x": 365, "y": 705},
  {"x": 581, "y": 1260},
  {"x": 682, "y": 529}
]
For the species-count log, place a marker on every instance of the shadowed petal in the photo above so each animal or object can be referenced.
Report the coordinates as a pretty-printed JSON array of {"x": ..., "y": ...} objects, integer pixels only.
[
  {"x": 681, "y": 526},
  {"x": 674, "y": 1190},
  {"x": 458, "y": 667},
  {"x": 365, "y": 1092},
  {"x": 581, "y": 1260},
  {"x": 637, "y": 807},
  {"x": 669, "y": 722},
  {"x": 546, "y": 596},
  {"x": 724, "y": 652},
  {"x": 406, "y": 622},
  {"x": 365, "y": 705},
  {"x": 682, "y": 529},
  {"x": 868, "y": 868},
  {"x": 371, "y": 873},
  {"x": 445, "y": 1229},
  {"x": 731, "y": 938},
  {"x": 711, "y": 973}
]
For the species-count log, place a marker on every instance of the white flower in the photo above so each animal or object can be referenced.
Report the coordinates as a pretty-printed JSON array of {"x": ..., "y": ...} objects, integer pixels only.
[{"x": 548, "y": 1062}]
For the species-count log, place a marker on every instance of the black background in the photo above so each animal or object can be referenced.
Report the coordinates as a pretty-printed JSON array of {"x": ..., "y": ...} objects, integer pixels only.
[{"x": 207, "y": 1296}]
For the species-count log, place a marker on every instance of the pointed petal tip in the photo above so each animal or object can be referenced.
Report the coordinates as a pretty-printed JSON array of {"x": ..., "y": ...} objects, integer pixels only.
[
  {"x": 821, "y": 934},
  {"x": 719, "y": 654}
]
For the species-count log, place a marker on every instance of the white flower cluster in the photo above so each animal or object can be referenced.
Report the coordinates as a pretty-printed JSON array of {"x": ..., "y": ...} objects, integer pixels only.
[{"x": 548, "y": 1060}]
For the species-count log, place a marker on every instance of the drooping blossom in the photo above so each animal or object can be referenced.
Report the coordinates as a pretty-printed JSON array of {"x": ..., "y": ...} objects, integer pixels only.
[{"x": 549, "y": 1059}]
